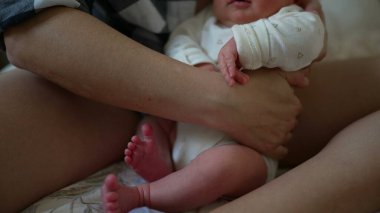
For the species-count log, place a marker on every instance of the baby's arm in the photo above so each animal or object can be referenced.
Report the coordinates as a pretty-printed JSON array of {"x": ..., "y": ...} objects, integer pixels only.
[{"x": 290, "y": 40}]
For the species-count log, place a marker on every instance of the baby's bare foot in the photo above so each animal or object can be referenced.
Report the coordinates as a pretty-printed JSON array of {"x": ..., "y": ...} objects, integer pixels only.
[
  {"x": 149, "y": 152},
  {"x": 118, "y": 198}
]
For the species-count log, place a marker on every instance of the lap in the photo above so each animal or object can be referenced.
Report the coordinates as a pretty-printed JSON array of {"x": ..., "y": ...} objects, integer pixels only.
[
  {"x": 59, "y": 137},
  {"x": 340, "y": 93},
  {"x": 343, "y": 177},
  {"x": 73, "y": 137}
]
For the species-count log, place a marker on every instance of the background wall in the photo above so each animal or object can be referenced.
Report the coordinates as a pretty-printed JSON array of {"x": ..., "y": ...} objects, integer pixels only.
[{"x": 353, "y": 28}]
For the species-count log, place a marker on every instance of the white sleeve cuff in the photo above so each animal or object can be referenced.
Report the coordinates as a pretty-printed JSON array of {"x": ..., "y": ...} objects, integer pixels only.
[{"x": 252, "y": 44}]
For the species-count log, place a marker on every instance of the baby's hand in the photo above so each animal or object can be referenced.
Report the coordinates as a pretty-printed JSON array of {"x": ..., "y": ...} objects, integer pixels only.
[
  {"x": 206, "y": 66},
  {"x": 229, "y": 65}
]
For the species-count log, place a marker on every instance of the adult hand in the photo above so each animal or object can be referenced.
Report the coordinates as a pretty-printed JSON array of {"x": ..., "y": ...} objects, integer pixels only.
[
  {"x": 229, "y": 66},
  {"x": 263, "y": 113},
  {"x": 297, "y": 78},
  {"x": 312, "y": 6}
]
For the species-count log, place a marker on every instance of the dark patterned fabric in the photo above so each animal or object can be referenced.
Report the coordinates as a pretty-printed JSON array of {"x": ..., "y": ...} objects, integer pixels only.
[{"x": 142, "y": 20}]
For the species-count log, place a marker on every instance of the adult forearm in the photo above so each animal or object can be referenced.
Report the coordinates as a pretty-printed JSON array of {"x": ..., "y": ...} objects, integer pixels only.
[
  {"x": 82, "y": 54},
  {"x": 87, "y": 57}
]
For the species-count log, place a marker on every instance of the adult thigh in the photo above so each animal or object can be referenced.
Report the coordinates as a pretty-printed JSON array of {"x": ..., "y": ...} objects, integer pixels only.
[
  {"x": 50, "y": 138},
  {"x": 340, "y": 93}
]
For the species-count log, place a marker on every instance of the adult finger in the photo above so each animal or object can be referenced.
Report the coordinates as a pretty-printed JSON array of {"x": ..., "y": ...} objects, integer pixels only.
[{"x": 297, "y": 78}]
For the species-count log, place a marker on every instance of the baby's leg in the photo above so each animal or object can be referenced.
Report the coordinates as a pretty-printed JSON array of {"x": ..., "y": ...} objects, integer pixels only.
[
  {"x": 227, "y": 170},
  {"x": 148, "y": 153}
]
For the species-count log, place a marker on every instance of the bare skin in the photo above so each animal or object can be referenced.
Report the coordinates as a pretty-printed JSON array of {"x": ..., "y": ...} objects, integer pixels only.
[
  {"x": 190, "y": 192},
  {"x": 84, "y": 76},
  {"x": 343, "y": 177},
  {"x": 217, "y": 106},
  {"x": 146, "y": 151},
  {"x": 344, "y": 104},
  {"x": 58, "y": 130},
  {"x": 329, "y": 107},
  {"x": 113, "y": 192},
  {"x": 36, "y": 148},
  {"x": 149, "y": 155},
  {"x": 350, "y": 150},
  {"x": 149, "y": 152}
]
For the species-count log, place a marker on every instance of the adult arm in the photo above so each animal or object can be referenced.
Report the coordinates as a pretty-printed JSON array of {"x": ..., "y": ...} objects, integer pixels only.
[{"x": 85, "y": 56}]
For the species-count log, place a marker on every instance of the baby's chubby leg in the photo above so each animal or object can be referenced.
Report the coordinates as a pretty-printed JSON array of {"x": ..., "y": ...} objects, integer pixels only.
[
  {"x": 226, "y": 170},
  {"x": 149, "y": 152}
]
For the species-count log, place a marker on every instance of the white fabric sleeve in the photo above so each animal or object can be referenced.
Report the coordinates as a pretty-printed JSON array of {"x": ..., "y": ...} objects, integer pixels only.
[
  {"x": 184, "y": 42},
  {"x": 291, "y": 39}
]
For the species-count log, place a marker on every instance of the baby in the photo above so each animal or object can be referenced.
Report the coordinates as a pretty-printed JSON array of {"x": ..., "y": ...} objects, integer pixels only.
[{"x": 231, "y": 36}]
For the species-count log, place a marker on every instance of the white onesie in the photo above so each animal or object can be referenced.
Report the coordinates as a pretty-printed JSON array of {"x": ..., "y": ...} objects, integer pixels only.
[
  {"x": 192, "y": 139},
  {"x": 291, "y": 39}
]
